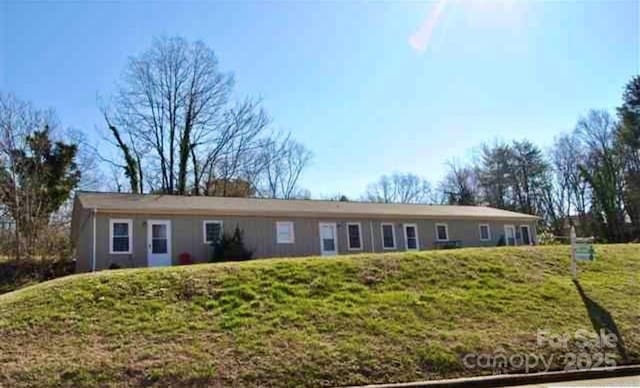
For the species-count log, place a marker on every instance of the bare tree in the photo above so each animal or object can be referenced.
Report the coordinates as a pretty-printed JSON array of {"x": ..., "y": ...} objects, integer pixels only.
[
  {"x": 132, "y": 167},
  {"x": 88, "y": 161},
  {"x": 604, "y": 172},
  {"x": 284, "y": 161},
  {"x": 115, "y": 182},
  {"x": 399, "y": 188},
  {"x": 460, "y": 185},
  {"x": 235, "y": 152},
  {"x": 170, "y": 100},
  {"x": 172, "y": 119},
  {"x": 381, "y": 191},
  {"x": 569, "y": 193}
]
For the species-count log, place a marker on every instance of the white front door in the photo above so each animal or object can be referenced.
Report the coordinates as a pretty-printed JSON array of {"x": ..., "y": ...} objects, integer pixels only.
[
  {"x": 509, "y": 235},
  {"x": 158, "y": 243},
  {"x": 328, "y": 239}
]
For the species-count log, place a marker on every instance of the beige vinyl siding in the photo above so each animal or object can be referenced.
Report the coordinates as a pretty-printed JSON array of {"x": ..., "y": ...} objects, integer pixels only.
[
  {"x": 82, "y": 238},
  {"x": 260, "y": 236}
]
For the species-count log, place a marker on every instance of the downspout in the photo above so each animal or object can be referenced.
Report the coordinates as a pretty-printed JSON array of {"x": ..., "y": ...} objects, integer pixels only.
[{"x": 93, "y": 253}]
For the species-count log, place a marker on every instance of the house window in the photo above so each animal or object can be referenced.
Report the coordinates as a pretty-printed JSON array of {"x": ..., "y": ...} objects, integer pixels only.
[
  {"x": 411, "y": 236},
  {"x": 355, "y": 236},
  {"x": 212, "y": 231},
  {"x": 388, "y": 237},
  {"x": 284, "y": 231},
  {"x": 485, "y": 232},
  {"x": 120, "y": 232},
  {"x": 442, "y": 232}
]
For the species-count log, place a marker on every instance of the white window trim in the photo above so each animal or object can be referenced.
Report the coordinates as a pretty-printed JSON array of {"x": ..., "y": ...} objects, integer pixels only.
[
  {"x": 488, "y": 232},
  {"x": 292, "y": 229},
  {"x": 204, "y": 229},
  {"x": 359, "y": 225},
  {"x": 528, "y": 231},
  {"x": 446, "y": 229},
  {"x": 406, "y": 239},
  {"x": 127, "y": 221},
  {"x": 393, "y": 234}
]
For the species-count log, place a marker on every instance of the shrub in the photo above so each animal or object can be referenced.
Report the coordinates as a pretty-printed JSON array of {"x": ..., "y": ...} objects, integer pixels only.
[
  {"x": 230, "y": 248},
  {"x": 52, "y": 244},
  {"x": 16, "y": 274}
]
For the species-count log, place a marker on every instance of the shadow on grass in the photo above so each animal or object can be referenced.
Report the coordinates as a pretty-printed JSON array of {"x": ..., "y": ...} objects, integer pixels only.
[{"x": 602, "y": 319}]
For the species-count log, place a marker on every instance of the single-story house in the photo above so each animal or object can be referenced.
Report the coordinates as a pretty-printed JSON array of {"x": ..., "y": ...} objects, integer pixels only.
[{"x": 134, "y": 230}]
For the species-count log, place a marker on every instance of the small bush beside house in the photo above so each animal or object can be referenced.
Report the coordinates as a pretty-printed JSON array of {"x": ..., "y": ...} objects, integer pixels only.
[{"x": 230, "y": 248}]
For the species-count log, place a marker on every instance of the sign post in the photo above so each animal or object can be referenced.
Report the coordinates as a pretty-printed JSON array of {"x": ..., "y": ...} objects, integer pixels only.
[
  {"x": 574, "y": 269},
  {"x": 581, "y": 249}
]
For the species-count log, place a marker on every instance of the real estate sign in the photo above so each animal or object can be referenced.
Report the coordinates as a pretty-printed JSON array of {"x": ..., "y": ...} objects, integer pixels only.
[
  {"x": 581, "y": 249},
  {"x": 584, "y": 251}
]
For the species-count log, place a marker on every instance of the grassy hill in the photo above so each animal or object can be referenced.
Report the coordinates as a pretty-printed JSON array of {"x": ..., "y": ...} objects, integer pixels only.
[{"x": 309, "y": 322}]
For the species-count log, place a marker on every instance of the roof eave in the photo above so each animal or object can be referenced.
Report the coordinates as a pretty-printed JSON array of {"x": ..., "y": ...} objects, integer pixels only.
[{"x": 307, "y": 214}]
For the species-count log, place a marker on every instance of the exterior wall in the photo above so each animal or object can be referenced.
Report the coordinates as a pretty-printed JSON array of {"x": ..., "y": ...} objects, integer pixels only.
[
  {"x": 83, "y": 239},
  {"x": 260, "y": 236}
]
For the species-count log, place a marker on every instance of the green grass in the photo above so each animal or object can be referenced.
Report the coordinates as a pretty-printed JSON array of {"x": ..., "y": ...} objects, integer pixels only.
[{"x": 308, "y": 322}]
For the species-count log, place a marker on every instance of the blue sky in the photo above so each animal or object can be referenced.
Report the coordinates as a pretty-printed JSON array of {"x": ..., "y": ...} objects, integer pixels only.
[{"x": 369, "y": 87}]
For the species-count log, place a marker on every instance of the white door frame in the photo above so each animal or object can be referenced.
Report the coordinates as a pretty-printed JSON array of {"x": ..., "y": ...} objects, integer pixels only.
[
  {"x": 335, "y": 238},
  {"x": 528, "y": 234},
  {"x": 506, "y": 237},
  {"x": 406, "y": 239},
  {"x": 165, "y": 259}
]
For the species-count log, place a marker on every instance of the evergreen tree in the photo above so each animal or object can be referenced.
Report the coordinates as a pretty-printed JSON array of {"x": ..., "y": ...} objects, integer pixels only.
[
  {"x": 628, "y": 141},
  {"x": 34, "y": 182}
]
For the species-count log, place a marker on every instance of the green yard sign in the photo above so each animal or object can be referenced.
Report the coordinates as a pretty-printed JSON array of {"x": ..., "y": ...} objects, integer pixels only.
[
  {"x": 584, "y": 251},
  {"x": 581, "y": 249}
]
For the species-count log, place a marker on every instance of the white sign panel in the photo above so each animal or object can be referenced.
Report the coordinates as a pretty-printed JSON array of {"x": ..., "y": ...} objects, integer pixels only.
[{"x": 584, "y": 251}]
